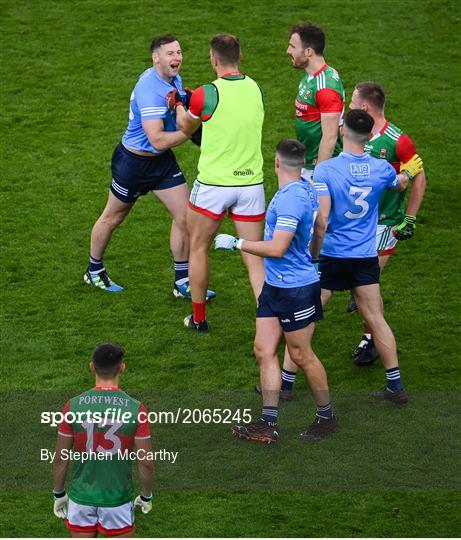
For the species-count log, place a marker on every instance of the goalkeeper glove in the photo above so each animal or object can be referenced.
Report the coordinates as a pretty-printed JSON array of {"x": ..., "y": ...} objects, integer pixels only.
[
  {"x": 227, "y": 241},
  {"x": 406, "y": 229},
  {"x": 60, "y": 504},
  {"x": 412, "y": 167},
  {"x": 173, "y": 99},
  {"x": 144, "y": 502}
]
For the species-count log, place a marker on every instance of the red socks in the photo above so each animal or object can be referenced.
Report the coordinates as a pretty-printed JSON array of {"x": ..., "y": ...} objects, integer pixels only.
[{"x": 199, "y": 311}]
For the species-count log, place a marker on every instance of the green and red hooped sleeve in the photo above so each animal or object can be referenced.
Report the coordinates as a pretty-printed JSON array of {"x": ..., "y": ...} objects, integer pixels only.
[{"x": 203, "y": 102}]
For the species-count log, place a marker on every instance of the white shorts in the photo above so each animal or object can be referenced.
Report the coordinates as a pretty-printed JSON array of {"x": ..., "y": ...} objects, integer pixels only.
[
  {"x": 108, "y": 520},
  {"x": 242, "y": 203},
  {"x": 385, "y": 240}
]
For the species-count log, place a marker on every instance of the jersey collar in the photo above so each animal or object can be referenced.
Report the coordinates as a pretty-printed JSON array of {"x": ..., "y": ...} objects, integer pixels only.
[
  {"x": 323, "y": 68},
  {"x": 355, "y": 156},
  {"x": 231, "y": 74},
  {"x": 162, "y": 80},
  {"x": 381, "y": 131},
  {"x": 286, "y": 186}
]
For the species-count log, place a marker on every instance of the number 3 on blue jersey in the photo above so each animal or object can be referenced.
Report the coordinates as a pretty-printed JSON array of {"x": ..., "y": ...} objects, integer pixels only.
[{"x": 360, "y": 201}]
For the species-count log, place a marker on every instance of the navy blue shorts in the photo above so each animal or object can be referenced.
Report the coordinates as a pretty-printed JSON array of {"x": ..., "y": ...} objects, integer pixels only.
[
  {"x": 295, "y": 307},
  {"x": 343, "y": 274},
  {"x": 133, "y": 175}
]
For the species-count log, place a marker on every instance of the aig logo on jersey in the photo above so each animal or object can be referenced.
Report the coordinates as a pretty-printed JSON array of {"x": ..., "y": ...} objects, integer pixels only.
[{"x": 360, "y": 170}]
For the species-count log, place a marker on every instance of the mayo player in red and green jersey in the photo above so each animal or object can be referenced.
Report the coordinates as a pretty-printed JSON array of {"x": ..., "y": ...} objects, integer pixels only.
[
  {"x": 394, "y": 222},
  {"x": 319, "y": 111},
  {"x": 320, "y": 100},
  {"x": 111, "y": 425}
]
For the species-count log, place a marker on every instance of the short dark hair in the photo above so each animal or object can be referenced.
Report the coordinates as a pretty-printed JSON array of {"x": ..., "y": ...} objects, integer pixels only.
[
  {"x": 227, "y": 48},
  {"x": 291, "y": 153},
  {"x": 157, "y": 42},
  {"x": 373, "y": 93},
  {"x": 359, "y": 125},
  {"x": 311, "y": 36},
  {"x": 107, "y": 358}
]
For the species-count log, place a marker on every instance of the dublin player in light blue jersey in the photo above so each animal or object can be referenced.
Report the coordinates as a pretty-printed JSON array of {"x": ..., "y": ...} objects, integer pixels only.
[
  {"x": 349, "y": 188},
  {"x": 144, "y": 162},
  {"x": 289, "y": 303}
]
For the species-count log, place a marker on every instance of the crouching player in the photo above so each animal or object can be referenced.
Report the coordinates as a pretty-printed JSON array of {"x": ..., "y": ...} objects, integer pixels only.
[
  {"x": 101, "y": 490},
  {"x": 289, "y": 303}
]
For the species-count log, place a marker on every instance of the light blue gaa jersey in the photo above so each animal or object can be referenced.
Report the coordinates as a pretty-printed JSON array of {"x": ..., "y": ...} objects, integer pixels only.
[
  {"x": 293, "y": 208},
  {"x": 147, "y": 102},
  {"x": 355, "y": 184}
]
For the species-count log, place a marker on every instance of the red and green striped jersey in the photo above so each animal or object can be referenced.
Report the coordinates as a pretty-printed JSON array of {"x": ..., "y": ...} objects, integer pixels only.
[
  {"x": 319, "y": 93},
  {"x": 107, "y": 481},
  {"x": 394, "y": 146}
]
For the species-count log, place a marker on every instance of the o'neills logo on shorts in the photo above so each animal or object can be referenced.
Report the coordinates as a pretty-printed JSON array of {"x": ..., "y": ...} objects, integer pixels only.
[{"x": 245, "y": 172}]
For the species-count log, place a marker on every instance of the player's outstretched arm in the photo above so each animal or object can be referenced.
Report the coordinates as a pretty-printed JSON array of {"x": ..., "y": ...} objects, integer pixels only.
[
  {"x": 60, "y": 466},
  {"x": 275, "y": 248},
  {"x": 146, "y": 473},
  {"x": 190, "y": 124}
]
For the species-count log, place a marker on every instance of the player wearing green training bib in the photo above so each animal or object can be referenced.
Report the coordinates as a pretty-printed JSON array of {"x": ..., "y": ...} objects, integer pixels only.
[
  {"x": 230, "y": 169},
  {"x": 394, "y": 223},
  {"x": 100, "y": 430}
]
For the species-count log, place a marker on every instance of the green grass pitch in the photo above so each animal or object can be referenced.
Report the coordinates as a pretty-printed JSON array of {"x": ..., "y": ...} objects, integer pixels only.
[{"x": 67, "y": 71}]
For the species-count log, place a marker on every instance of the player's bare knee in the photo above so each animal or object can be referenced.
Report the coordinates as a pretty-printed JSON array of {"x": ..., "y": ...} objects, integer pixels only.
[
  {"x": 296, "y": 355},
  {"x": 114, "y": 220},
  {"x": 262, "y": 352},
  {"x": 181, "y": 222}
]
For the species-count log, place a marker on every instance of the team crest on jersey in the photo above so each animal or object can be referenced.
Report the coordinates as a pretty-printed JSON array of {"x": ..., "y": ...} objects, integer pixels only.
[
  {"x": 383, "y": 153},
  {"x": 307, "y": 94},
  {"x": 359, "y": 170}
]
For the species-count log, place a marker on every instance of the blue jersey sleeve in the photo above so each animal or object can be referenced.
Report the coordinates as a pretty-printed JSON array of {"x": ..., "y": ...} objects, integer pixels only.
[
  {"x": 290, "y": 210},
  {"x": 392, "y": 180},
  {"x": 151, "y": 105},
  {"x": 321, "y": 180}
]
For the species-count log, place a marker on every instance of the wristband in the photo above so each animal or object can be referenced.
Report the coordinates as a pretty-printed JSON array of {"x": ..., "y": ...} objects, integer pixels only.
[
  {"x": 59, "y": 494},
  {"x": 146, "y": 499},
  {"x": 315, "y": 261},
  {"x": 238, "y": 243}
]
